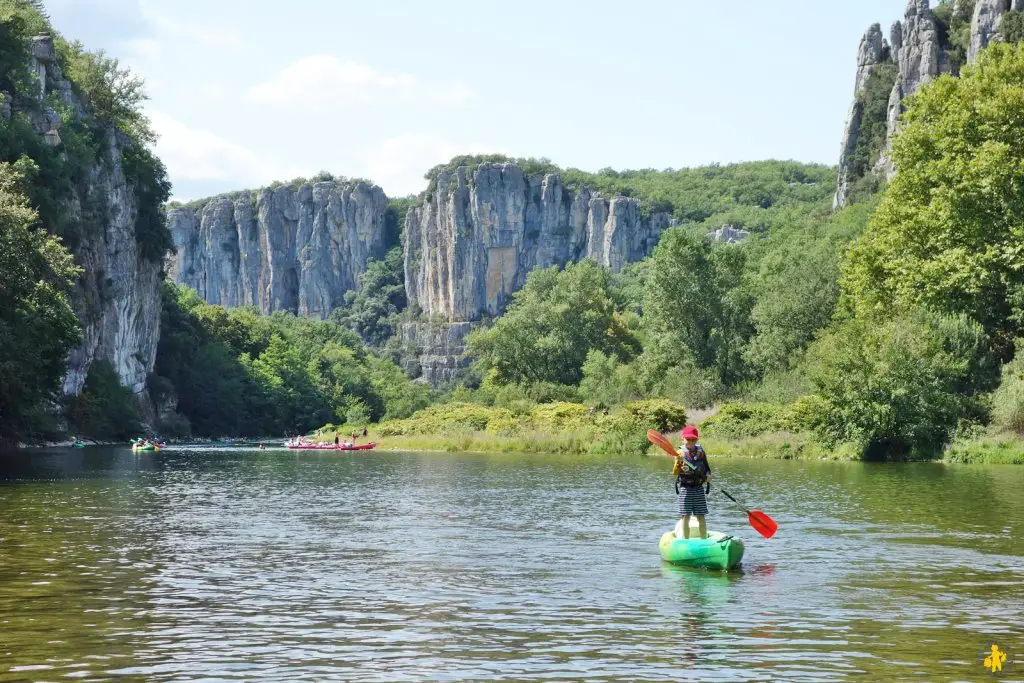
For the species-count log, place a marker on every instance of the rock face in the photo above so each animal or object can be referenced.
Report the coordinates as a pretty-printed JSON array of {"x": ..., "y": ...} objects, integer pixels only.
[
  {"x": 285, "y": 249},
  {"x": 985, "y": 23},
  {"x": 118, "y": 297},
  {"x": 471, "y": 243},
  {"x": 917, "y": 48},
  {"x": 441, "y": 350},
  {"x": 728, "y": 234},
  {"x": 873, "y": 52},
  {"x": 921, "y": 56}
]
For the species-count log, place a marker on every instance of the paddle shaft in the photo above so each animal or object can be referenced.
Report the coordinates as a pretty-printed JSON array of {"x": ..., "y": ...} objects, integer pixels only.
[{"x": 726, "y": 494}]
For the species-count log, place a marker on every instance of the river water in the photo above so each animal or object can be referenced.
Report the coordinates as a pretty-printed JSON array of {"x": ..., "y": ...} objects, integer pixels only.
[{"x": 384, "y": 566}]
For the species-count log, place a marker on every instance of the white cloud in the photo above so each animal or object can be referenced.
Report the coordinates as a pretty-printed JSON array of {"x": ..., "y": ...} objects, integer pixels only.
[
  {"x": 141, "y": 49},
  {"x": 199, "y": 154},
  {"x": 168, "y": 27},
  {"x": 325, "y": 80},
  {"x": 161, "y": 35},
  {"x": 398, "y": 163}
]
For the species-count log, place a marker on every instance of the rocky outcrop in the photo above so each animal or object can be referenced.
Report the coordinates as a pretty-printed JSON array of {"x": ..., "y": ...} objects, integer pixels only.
[
  {"x": 477, "y": 234},
  {"x": 727, "y": 234},
  {"x": 916, "y": 47},
  {"x": 872, "y": 52},
  {"x": 295, "y": 249},
  {"x": 921, "y": 56},
  {"x": 441, "y": 351},
  {"x": 118, "y": 296},
  {"x": 985, "y": 24}
]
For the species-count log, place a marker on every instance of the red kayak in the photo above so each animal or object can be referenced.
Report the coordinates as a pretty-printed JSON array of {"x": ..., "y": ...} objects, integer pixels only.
[{"x": 332, "y": 447}]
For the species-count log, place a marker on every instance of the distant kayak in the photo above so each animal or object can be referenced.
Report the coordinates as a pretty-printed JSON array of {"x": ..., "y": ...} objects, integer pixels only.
[
  {"x": 717, "y": 551},
  {"x": 150, "y": 447},
  {"x": 332, "y": 447}
]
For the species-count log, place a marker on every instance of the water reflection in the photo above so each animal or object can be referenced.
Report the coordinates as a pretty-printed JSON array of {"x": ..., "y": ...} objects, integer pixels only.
[{"x": 249, "y": 565}]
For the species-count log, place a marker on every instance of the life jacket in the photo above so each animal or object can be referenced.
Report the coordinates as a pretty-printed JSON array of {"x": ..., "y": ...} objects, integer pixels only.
[{"x": 695, "y": 476}]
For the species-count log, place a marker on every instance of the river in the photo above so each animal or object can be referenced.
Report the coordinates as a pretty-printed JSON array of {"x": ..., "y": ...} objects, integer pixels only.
[{"x": 386, "y": 566}]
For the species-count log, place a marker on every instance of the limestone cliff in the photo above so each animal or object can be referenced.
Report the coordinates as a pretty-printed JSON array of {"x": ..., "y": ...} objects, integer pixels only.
[
  {"x": 920, "y": 48},
  {"x": 871, "y": 54},
  {"x": 440, "y": 351},
  {"x": 985, "y": 23},
  {"x": 118, "y": 296},
  {"x": 921, "y": 56},
  {"x": 295, "y": 249},
  {"x": 477, "y": 234}
]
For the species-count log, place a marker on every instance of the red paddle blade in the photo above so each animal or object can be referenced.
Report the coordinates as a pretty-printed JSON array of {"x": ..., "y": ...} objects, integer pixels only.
[
  {"x": 762, "y": 523},
  {"x": 661, "y": 442}
]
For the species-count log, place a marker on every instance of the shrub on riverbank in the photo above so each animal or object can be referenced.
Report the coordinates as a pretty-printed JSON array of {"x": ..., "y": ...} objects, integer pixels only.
[
  {"x": 558, "y": 427},
  {"x": 993, "y": 449}
]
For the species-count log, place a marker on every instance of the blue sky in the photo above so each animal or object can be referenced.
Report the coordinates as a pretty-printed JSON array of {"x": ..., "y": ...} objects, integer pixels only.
[{"x": 244, "y": 92}]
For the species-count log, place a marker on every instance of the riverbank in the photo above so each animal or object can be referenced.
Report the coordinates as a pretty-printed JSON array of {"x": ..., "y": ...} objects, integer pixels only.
[
  {"x": 774, "y": 446},
  {"x": 992, "y": 449},
  {"x": 767, "y": 446},
  {"x": 747, "y": 430},
  {"x": 760, "y": 431}
]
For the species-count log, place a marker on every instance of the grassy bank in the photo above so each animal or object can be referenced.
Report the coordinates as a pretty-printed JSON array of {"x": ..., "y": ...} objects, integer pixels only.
[
  {"x": 748, "y": 430},
  {"x": 769, "y": 445},
  {"x": 577, "y": 429},
  {"x": 779, "y": 446},
  {"x": 992, "y": 449}
]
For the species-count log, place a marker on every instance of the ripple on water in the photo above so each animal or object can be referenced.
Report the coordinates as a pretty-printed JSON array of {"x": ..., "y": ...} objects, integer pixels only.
[{"x": 271, "y": 566}]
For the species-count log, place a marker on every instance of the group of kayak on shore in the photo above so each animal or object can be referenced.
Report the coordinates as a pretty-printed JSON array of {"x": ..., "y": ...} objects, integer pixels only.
[{"x": 349, "y": 442}]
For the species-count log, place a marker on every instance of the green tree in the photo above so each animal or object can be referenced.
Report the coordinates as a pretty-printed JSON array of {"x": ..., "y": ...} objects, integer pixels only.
[
  {"x": 607, "y": 381},
  {"x": 373, "y": 310},
  {"x": 949, "y": 233},
  {"x": 899, "y": 383},
  {"x": 551, "y": 325},
  {"x": 400, "y": 397},
  {"x": 1008, "y": 398},
  {"x": 236, "y": 372},
  {"x": 795, "y": 301},
  {"x": 1011, "y": 26},
  {"x": 112, "y": 93},
  {"x": 38, "y": 328},
  {"x": 696, "y": 308},
  {"x": 283, "y": 376},
  {"x": 104, "y": 409}
]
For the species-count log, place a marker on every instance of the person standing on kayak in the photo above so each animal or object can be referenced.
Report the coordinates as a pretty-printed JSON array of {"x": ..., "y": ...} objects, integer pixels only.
[{"x": 693, "y": 474}]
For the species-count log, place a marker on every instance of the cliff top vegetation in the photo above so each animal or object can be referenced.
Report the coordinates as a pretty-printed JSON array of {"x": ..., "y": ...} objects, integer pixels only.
[{"x": 691, "y": 195}]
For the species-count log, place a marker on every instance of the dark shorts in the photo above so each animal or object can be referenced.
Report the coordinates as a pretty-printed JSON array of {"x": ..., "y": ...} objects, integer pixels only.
[{"x": 692, "y": 501}]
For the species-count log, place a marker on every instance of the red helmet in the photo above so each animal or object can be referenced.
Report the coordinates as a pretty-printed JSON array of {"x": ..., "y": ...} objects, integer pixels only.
[{"x": 690, "y": 432}]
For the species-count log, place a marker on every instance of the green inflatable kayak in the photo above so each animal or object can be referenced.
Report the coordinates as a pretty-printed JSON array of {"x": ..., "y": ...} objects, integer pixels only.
[{"x": 717, "y": 551}]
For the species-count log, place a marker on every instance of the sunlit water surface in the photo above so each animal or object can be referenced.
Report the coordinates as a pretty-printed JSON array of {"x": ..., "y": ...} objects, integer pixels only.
[{"x": 272, "y": 565}]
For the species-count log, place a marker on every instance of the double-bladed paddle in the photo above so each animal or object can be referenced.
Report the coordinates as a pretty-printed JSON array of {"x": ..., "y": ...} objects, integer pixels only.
[{"x": 761, "y": 522}]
